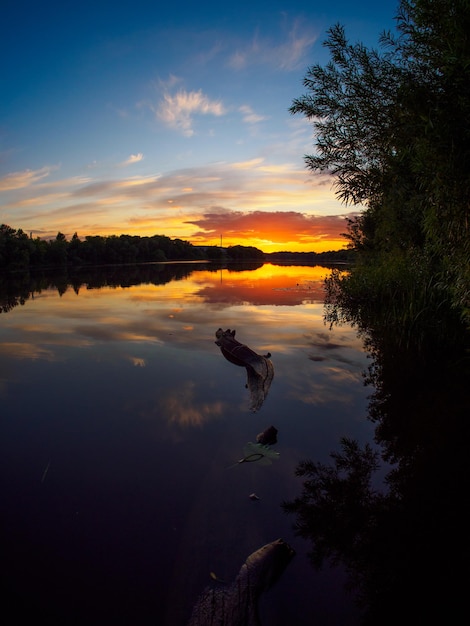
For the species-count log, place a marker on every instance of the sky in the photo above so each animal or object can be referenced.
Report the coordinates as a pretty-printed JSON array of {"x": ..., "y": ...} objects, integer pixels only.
[{"x": 170, "y": 118}]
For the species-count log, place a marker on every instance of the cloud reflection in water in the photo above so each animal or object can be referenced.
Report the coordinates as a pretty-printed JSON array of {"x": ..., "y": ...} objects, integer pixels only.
[{"x": 124, "y": 389}]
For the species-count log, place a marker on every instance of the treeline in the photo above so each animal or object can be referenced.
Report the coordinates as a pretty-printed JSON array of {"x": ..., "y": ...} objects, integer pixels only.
[
  {"x": 18, "y": 251},
  {"x": 346, "y": 256}
]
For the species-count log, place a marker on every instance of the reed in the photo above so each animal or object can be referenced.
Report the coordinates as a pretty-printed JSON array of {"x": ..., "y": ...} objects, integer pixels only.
[{"x": 403, "y": 294}]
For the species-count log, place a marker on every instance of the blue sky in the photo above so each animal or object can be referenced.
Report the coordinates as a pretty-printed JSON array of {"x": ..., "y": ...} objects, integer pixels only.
[{"x": 169, "y": 118}]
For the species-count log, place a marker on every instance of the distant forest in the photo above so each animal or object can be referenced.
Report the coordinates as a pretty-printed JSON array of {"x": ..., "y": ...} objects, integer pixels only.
[{"x": 18, "y": 251}]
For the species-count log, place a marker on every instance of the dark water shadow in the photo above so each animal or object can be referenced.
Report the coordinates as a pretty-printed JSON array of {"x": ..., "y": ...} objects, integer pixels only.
[{"x": 397, "y": 516}]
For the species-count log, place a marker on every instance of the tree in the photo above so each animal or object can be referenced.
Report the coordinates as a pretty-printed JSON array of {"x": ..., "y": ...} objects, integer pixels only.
[
  {"x": 435, "y": 41},
  {"x": 14, "y": 248},
  {"x": 73, "y": 250},
  {"x": 392, "y": 128},
  {"x": 57, "y": 253},
  {"x": 244, "y": 253}
]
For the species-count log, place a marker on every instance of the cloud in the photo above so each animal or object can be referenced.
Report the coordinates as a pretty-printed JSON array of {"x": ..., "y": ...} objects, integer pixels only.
[
  {"x": 249, "y": 116},
  {"x": 276, "y": 226},
  {"x": 238, "y": 60},
  {"x": 26, "y": 178},
  {"x": 299, "y": 41},
  {"x": 133, "y": 158},
  {"x": 287, "y": 55},
  {"x": 255, "y": 202},
  {"x": 178, "y": 110}
]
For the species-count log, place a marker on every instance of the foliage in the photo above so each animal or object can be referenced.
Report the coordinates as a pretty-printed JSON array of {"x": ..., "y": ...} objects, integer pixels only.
[
  {"x": 336, "y": 505},
  {"x": 402, "y": 541},
  {"x": 308, "y": 258},
  {"x": 406, "y": 297},
  {"x": 392, "y": 126},
  {"x": 20, "y": 252},
  {"x": 242, "y": 253}
]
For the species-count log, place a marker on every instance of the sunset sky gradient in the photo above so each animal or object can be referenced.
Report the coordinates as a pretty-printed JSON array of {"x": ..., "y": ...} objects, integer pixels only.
[{"x": 172, "y": 119}]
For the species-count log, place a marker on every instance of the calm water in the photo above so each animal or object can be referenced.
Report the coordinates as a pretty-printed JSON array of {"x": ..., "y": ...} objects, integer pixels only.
[{"x": 120, "y": 419}]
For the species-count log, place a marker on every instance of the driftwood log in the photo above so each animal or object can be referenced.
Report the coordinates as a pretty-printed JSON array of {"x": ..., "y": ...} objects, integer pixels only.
[
  {"x": 236, "y": 604},
  {"x": 259, "y": 368}
]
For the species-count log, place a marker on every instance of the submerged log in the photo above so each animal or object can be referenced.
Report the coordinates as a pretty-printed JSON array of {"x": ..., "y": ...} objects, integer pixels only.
[
  {"x": 259, "y": 368},
  {"x": 236, "y": 604}
]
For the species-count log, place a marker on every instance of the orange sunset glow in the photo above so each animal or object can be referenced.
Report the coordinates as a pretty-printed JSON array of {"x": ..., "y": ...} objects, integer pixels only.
[
  {"x": 241, "y": 203},
  {"x": 272, "y": 232},
  {"x": 270, "y": 285},
  {"x": 168, "y": 312}
]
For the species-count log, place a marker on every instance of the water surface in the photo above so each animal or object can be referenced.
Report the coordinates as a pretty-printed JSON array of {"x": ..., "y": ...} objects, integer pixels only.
[{"x": 120, "y": 419}]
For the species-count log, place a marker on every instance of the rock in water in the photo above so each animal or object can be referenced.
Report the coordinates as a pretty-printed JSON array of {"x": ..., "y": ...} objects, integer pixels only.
[
  {"x": 268, "y": 437},
  {"x": 236, "y": 604}
]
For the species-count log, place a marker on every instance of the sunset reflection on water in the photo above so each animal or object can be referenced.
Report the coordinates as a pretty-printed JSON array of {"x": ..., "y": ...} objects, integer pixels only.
[
  {"x": 171, "y": 312},
  {"x": 122, "y": 393}
]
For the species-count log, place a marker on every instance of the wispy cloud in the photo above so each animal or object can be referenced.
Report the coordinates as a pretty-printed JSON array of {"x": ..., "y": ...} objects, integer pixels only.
[
  {"x": 291, "y": 53},
  {"x": 249, "y": 116},
  {"x": 271, "y": 205},
  {"x": 26, "y": 178},
  {"x": 177, "y": 110},
  {"x": 133, "y": 158},
  {"x": 286, "y": 55}
]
